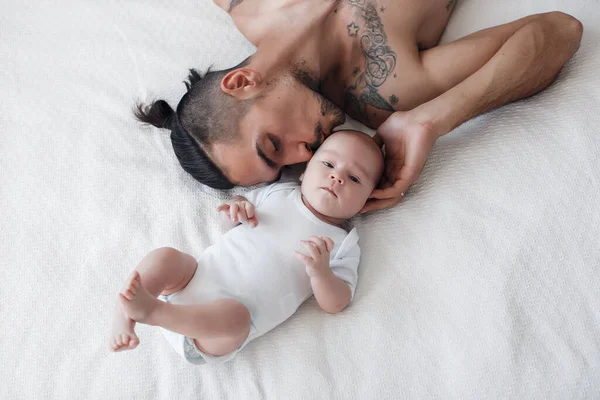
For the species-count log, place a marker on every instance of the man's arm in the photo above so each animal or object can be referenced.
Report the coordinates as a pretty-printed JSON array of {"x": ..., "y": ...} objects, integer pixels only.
[
  {"x": 478, "y": 73},
  {"x": 526, "y": 56}
]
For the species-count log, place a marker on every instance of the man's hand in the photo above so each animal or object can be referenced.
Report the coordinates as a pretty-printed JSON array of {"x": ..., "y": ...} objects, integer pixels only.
[
  {"x": 407, "y": 146},
  {"x": 317, "y": 262},
  {"x": 239, "y": 209}
]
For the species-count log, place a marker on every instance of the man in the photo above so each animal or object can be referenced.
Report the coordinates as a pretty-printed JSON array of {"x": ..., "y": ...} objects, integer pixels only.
[{"x": 377, "y": 60}]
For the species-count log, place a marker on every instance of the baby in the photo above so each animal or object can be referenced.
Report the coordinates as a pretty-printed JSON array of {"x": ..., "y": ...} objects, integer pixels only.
[{"x": 255, "y": 278}]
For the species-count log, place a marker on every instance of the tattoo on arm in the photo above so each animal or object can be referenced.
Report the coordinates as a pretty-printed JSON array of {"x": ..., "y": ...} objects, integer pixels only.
[
  {"x": 234, "y": 3},
  {"x": 380, "y": 61},
  {"x": 449, "y": 4}
]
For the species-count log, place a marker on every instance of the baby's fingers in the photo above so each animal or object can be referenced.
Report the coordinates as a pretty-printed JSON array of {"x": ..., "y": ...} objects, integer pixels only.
[
  {"x": 328, "y": 243},
  {"x": 233, "y": 211},
  {"x": 249, "y": 209},
  {"x": 223, "y": 207},
  {"x": 312, "y": 248},
  {"x": 320, "y": 243},
  {"x": 303, "y": 257},
  {"x": 246, "y": 213},
  {"x": 241, "y": 215}
]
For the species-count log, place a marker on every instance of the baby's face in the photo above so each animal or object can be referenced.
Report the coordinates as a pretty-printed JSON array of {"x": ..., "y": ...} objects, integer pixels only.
[{"x": 342, "y": 174}]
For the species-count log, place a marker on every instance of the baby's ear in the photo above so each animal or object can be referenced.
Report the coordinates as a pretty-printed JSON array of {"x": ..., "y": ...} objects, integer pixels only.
[{"x": 301, "y": 177}]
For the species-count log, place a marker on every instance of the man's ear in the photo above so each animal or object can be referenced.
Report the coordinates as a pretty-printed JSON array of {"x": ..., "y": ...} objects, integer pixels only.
[
  {"x": 301, "y": 176},
  {"x": 241, "y": 83}
]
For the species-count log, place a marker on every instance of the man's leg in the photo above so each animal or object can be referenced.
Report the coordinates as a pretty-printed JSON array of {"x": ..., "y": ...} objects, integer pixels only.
[
  {"x": 165, "y": 271},
  {"x": 218, "y": 327},
  {"x": 495, "y": 66}
]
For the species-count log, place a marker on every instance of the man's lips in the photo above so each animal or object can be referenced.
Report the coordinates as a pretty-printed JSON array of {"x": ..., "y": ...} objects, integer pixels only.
[{"x": 330, "y": 190}]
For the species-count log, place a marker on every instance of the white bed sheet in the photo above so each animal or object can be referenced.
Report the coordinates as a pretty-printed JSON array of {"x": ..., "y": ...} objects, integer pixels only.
[{"x": 484, "y": 283}]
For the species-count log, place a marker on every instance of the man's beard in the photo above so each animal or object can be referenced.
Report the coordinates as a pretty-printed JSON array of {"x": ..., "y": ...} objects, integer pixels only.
[{"x": 328, "y": 108}]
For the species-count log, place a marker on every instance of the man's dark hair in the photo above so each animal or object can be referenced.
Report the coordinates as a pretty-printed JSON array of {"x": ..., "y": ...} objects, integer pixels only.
[{"x": 205, "y": 114}]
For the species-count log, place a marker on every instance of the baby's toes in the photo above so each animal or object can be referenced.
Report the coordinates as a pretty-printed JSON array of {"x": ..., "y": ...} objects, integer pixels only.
[
  {"x": 125, "y": 339},
  {"x": 136, "y": 277},
  {"x": 133, "y": 342},
  {"x": 133, "y": 278},
  {"x": 131, "y": 293},
  {"x": 114, "y": 346},
  {"x": 127, "y": 293},
  {"x": 135, "y": 283}
]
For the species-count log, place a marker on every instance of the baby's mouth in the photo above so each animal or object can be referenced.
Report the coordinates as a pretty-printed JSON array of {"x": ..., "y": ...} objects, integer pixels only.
[{"x": 330, "y": 190}]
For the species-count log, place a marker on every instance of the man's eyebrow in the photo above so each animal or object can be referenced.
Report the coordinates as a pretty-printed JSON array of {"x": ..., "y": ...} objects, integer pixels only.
[{"x": 270, "y": 163}]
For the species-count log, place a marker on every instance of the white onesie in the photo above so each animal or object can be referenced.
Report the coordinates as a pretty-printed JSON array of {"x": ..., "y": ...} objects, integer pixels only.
[{"x": 258, "y": 266}]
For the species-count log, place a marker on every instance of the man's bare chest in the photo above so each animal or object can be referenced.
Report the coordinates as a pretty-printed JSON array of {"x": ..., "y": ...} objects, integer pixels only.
[{"x": 361, "y": 83}]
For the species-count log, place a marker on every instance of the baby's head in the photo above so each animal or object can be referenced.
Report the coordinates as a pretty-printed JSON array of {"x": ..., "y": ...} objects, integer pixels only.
[{"x": 342, "y": 174}]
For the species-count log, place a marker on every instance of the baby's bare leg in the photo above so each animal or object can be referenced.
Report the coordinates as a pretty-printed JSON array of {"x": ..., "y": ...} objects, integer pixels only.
[
  {"x": 218, "y": 327},
  {"x": 165, "y": 271}
]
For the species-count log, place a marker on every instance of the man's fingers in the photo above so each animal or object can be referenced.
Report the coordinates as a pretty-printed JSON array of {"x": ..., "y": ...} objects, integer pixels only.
[
  {"x": 373, "y": 205},
  {"x": 393, "y": 192}
]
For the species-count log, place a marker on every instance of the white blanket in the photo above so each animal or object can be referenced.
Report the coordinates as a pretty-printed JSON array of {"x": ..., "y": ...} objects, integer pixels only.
[{"x": 484, "y": 283}]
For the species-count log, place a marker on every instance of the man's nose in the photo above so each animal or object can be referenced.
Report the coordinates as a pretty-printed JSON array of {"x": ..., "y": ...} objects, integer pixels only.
[
  {"x": 336, "y": 177},
  {"x": 300, "y": 153}
]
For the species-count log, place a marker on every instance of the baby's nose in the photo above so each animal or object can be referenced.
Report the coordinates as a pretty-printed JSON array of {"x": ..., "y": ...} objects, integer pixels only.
[{"x": 335, "y": 177}]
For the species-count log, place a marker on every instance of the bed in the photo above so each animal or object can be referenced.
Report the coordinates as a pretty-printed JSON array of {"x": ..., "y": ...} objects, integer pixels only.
[{"x": 483, "y": 283}]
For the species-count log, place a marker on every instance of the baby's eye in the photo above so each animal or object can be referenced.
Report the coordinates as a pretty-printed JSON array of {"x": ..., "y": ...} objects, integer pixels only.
[
  {"x": 327, "y": 164},
  {"x": 354, "y": 179}
]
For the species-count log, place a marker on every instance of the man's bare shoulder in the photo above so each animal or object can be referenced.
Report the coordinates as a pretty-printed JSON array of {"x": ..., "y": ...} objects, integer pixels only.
[{"x": 275, "y": 20}]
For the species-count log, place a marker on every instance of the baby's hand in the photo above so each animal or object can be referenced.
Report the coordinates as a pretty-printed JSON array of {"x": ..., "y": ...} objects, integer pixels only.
[
  {"x": 317, "y": 264},
  {"x": 239, "y": 209}
]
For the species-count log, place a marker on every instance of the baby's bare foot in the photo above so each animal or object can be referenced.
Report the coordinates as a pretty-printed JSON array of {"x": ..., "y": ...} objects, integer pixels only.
[
  {"x": 122, "y": 335},
  {"x": 137, "y": 303}
]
